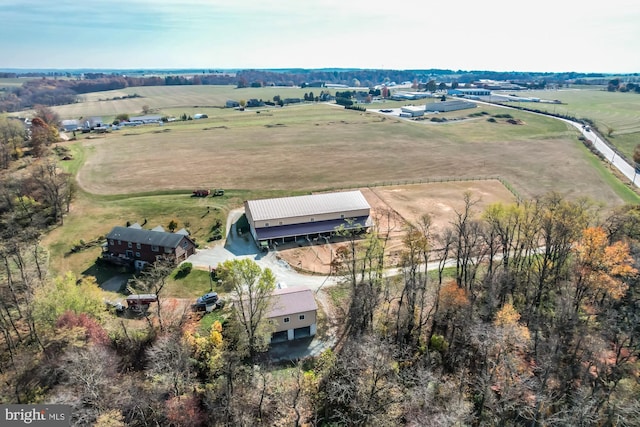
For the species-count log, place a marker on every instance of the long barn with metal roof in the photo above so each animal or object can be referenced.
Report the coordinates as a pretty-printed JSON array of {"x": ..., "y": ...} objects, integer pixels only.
[{"x": 312, "y": 216}]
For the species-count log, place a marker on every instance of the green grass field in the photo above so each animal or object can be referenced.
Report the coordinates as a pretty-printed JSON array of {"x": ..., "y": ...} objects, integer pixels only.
[{"x": 609, "y": 110}]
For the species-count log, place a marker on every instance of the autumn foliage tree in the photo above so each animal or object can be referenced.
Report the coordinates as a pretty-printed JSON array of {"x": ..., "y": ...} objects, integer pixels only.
[
  {"x": 42, "y": 135},
  {"x": 601, "y": 268}
]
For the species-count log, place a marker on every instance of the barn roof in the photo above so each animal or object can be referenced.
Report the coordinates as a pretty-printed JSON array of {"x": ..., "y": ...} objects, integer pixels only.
[
  {"x": 147, "y": 237},
  {"x": 293, "y": 300},
  {"x": 315, "y": 204},
  {"x": 320, "y": 227}
]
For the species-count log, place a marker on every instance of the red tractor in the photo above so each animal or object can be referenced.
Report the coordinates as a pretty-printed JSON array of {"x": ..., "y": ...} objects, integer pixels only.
[{"x": 201, "y": 193}]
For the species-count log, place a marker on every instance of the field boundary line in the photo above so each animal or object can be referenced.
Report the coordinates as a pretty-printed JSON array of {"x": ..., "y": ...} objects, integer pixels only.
[{"x": 432, "y": 180}]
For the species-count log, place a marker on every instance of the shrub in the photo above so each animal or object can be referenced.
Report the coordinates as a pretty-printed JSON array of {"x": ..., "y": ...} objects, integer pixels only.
[
  {"x": 438, "y": 343},
  {"x": 491, "y": 119},
  {"x": 184, "y": 269}
]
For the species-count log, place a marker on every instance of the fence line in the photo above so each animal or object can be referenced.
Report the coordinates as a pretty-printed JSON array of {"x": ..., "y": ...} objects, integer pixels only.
[{"x": 432, "y": 180}]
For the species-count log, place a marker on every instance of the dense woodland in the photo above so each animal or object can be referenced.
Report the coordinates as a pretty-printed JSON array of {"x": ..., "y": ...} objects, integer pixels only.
[{"x": 529, "y": 318}]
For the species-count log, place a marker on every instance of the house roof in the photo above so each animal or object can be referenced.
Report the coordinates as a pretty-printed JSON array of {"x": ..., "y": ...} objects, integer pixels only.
[
  {"x": 315, "y": 204},
  {"x": 145, "y": 118},
  {"x": 147, "y": 237},
  {"x": 293, "y": 300},
  {"x": 183, "y": 231}
]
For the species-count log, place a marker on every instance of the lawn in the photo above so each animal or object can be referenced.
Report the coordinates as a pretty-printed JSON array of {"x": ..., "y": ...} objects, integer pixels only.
[
  {"x": 194, "y": 284},
  {"x": 617, "y": 111}
]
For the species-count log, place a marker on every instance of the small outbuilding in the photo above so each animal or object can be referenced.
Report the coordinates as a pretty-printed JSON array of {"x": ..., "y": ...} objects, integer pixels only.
[
  {"x": 146, "y": 119},
  {"x": 70, "y": 125},
  {"x": 293, "y": 313},
  {"x": 412, "y": 111}
]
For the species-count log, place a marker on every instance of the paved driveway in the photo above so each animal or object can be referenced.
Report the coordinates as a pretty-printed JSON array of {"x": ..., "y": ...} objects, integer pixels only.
[{"x": 237, "y": 246}]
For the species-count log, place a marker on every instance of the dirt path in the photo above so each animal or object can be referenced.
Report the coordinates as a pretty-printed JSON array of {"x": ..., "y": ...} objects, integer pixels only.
[{"x": 334, "y": 319}]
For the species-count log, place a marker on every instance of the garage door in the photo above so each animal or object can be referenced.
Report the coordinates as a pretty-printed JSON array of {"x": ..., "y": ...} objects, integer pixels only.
[
  {"x": 279, "y": 336},
  {"x": 302, "y": 332}
]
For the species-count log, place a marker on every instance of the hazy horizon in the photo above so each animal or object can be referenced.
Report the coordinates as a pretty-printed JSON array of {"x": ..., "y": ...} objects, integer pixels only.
[{"x": 495, "y": 35}]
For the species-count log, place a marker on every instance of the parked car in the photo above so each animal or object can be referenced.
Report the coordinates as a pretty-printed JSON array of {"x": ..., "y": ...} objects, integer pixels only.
[{"x": 209, "y": 300}]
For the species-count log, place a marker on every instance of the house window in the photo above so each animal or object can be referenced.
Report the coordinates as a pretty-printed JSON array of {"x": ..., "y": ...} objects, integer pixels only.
[
  {"x": 155, "y": 248},
  {"x": 167, "y": 250},
  {"x": 266, "y": 224},
  {"x": 342, "y": 216},
  {"x": 286, "y": 320},
  {"x": 281, "y": 222},
  {"x": 301, "y": 317},
  {"x": 185, "y": 244},
  {"x": 111, "y": 242},
  {"x": 137, "y": 254},
  {"x": 312, "y": 219},
  {"x": 137, "y": 245},
  {"x": 129, "y": 245}
]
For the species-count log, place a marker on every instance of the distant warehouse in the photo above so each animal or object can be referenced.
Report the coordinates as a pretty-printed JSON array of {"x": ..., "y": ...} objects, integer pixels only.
[
  {"x": 411, "y": 111},
  {"x": 445, "y": 106},
  {"x": 306, "y": 217}
]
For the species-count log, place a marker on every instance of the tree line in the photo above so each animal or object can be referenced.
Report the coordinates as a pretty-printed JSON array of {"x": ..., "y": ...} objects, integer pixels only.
[{"x": 54, "y": 91}]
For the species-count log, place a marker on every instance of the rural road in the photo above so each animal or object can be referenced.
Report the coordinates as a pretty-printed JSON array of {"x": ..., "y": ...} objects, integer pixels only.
[{"x": 612, "y": 157}]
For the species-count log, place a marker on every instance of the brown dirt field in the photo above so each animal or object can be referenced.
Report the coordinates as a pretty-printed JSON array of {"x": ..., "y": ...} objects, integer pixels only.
[{"x": 409, "y": 202}]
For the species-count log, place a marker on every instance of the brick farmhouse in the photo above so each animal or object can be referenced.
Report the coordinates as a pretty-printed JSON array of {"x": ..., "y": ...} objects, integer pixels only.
[{"x": 135, "y": 246}]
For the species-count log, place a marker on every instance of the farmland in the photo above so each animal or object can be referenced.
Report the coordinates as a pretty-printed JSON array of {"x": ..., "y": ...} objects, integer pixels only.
[
  {"x": 171, "y": 100},
  {"x": 314, "y": 147},
  {"x": 148, "y": 173},
  {"x": 615, "y": 111}
]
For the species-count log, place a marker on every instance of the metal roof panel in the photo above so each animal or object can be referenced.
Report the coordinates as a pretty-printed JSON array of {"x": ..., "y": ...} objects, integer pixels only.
[{"x": 300, "y": 206}]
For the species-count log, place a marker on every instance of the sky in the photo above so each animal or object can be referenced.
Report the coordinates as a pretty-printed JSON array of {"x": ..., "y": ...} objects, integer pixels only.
[{"x": 499, "y": 35}]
